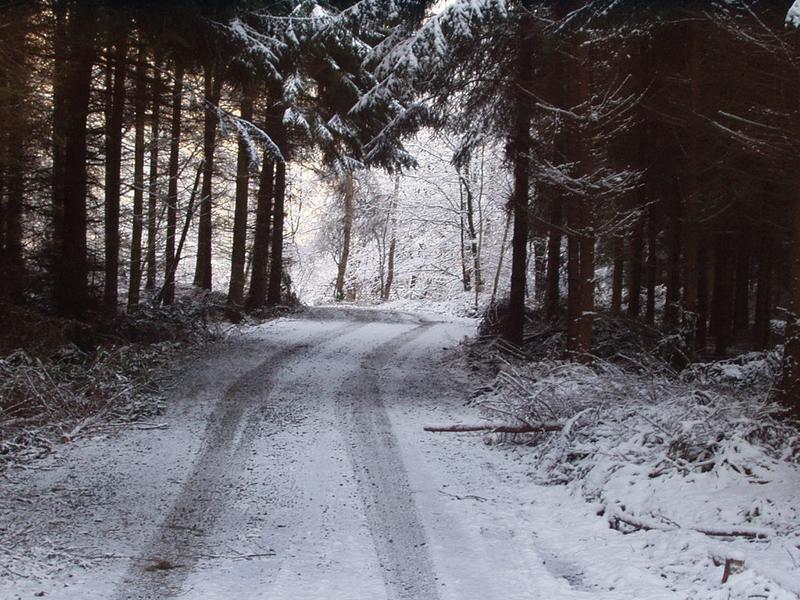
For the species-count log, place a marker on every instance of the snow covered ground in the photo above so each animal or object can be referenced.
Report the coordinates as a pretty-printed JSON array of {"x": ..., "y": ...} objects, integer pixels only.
[{"x": 292, "y": 465}]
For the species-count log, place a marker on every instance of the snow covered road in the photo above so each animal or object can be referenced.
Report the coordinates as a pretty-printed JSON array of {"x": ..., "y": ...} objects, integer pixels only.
[{"x": 292, "y": 465}]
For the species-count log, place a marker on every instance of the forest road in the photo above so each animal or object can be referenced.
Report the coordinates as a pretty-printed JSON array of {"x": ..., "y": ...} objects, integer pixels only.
[
  {"x": 290, "y": 464},
  {"x": 321, "y": 396}
]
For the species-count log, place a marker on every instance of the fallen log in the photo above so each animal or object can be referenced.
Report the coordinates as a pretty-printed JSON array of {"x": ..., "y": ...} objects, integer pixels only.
[
  {"x": 495, "y": 428},
  {"x": 615, "y": 517}
]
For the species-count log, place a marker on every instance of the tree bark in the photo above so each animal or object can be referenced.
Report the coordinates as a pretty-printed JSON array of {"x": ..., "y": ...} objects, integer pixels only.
[
  {"x": 13, "y": 263},
  {"x": 140, "y": 102},
  {"x": 387, "y": 289},
  {"x": 113, "y": 152},
  {"x": 501, "y": 258},
  {"x": 152, "y": 186},
  {"x": 472, "y": 230},
  {"x": 13, "y": 167},
  {"x": 673, "y": 241},
  {"x": 761, "y": 329},
  {"x": 276, "y": 259},
  {"x": 348, "y": 193},
  {"x": 552, "y": 299},
  {"x": 582, "y": 237},
  {"x": 236, "y": 287},
  {"x": 691, "y": 202},
  {"x": 257, "y": 294},
  {"x": 702, "y": 296},
  {"x": 172, "y": 190},
  {"x": 211, "y": 95},
  {"x": 636, "y": 251},
  {"x": 651, "y": 266},
  {"x": 618, "y": 276},
  {"x": 722, "y": 300},
  {"x": 539, "y": 248},
  {"x": 465, "y": 277},
  {"x": 741, "y": 295},
  {"x": 59, "y": 133},
  {"x": 789, "y": 392},
  {"x": 72, "y": 291},
  {"x": 573, "y": 276},
  {"x": 3, "y": 147},
  {"x": 521, "y": 141}
]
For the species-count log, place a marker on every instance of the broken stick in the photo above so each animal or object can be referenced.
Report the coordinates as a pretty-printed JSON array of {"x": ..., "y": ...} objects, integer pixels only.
[{"x": 495, "y": 428}]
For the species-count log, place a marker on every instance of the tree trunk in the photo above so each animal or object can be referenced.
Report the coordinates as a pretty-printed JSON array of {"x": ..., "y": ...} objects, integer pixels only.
[
  {"x": 573, "y": 276},
  {"x": 691, "y": 215},
  {"x": 722, "y": 300},
  {"x": 583, "y": 342},
  {"x": 789, "y": 392},
  {"x": 236, "y": 287},
  {"x": 211, "y": 94},
  {"x": 539, "y": 267},
  {"x": 673, "y": 241},
  {"x": 13, "y": 263},
  {"x": 170, "y": 276},
  {"x": 140, "y": 102},
  {"x": 552, "y": 300},
  {"x": 636, "y": 251},
  {"x": 702, "y": 296},
  {"x": 462, "y": 228},
  {"x": 14, "y": 168},
  {"x": 257, "y": 294},
  {"x": 501, "y": 258},
  {"x": 582, "y": 238},
  {"x": 172, "y": 191},
  {"x": 276, "y": 260},
  {"x": 618, "y": 276},
  {"x": 387, "y": 289},
  {"x": 741, "y": 296},
  {"x": 348, "y": 189},
  {"x": 521, "y": 141},
  {"x": 152, "y": 186},
  {"x": 72, "y": 292},
  {"x": 59, "y": 133},
  {"x": 472, "y": 231},
  {"x": 3, "y": 147},
  {"x": 113, "y": 152},
  {"x": 763, "y": 308},
  {"x": 652, "y": 266}
]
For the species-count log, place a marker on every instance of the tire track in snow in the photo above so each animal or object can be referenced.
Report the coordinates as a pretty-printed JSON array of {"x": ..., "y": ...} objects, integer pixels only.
[
  {"x": 179, "y": 541},
  {"x": 397, "y": 531}
]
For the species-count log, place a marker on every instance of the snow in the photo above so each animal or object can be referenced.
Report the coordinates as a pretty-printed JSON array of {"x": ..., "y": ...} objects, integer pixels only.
[
  {"x": 293, "y": 465},
  {"x": 793, "y": 16}
]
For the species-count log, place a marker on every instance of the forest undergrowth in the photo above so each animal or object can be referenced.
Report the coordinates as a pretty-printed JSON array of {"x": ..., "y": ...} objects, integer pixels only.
[
  {"x": 699, "y": 455},
  {"x": 61, "y": 378}
]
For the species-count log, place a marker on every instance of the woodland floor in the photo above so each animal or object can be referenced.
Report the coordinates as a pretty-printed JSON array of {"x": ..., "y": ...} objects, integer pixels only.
[{"x": 291, "y": 464}]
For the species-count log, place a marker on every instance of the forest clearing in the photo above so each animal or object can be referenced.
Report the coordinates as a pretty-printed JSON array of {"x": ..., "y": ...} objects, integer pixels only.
[{"x": 400, "y": 299}]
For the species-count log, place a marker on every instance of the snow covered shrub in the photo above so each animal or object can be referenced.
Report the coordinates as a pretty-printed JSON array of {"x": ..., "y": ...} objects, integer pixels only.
[
  {"x": 643, "y": 441},
  {"x": 712, "y": 416},
  {"x": 108, "y": 374},
  {"x": 700, "y": 463}
]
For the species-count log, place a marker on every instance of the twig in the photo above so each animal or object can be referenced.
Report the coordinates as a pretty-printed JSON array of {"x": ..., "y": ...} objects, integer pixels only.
[{"x": 467, "y": 497}]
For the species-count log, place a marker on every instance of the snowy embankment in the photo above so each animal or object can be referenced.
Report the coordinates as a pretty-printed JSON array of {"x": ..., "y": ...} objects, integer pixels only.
[{"x": 696, "y": 472}]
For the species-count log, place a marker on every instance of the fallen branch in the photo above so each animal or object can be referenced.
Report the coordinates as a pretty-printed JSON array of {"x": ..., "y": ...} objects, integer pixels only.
[
  {"x": 616, "y": 517},
  {"x": 495, "y": 428}
]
